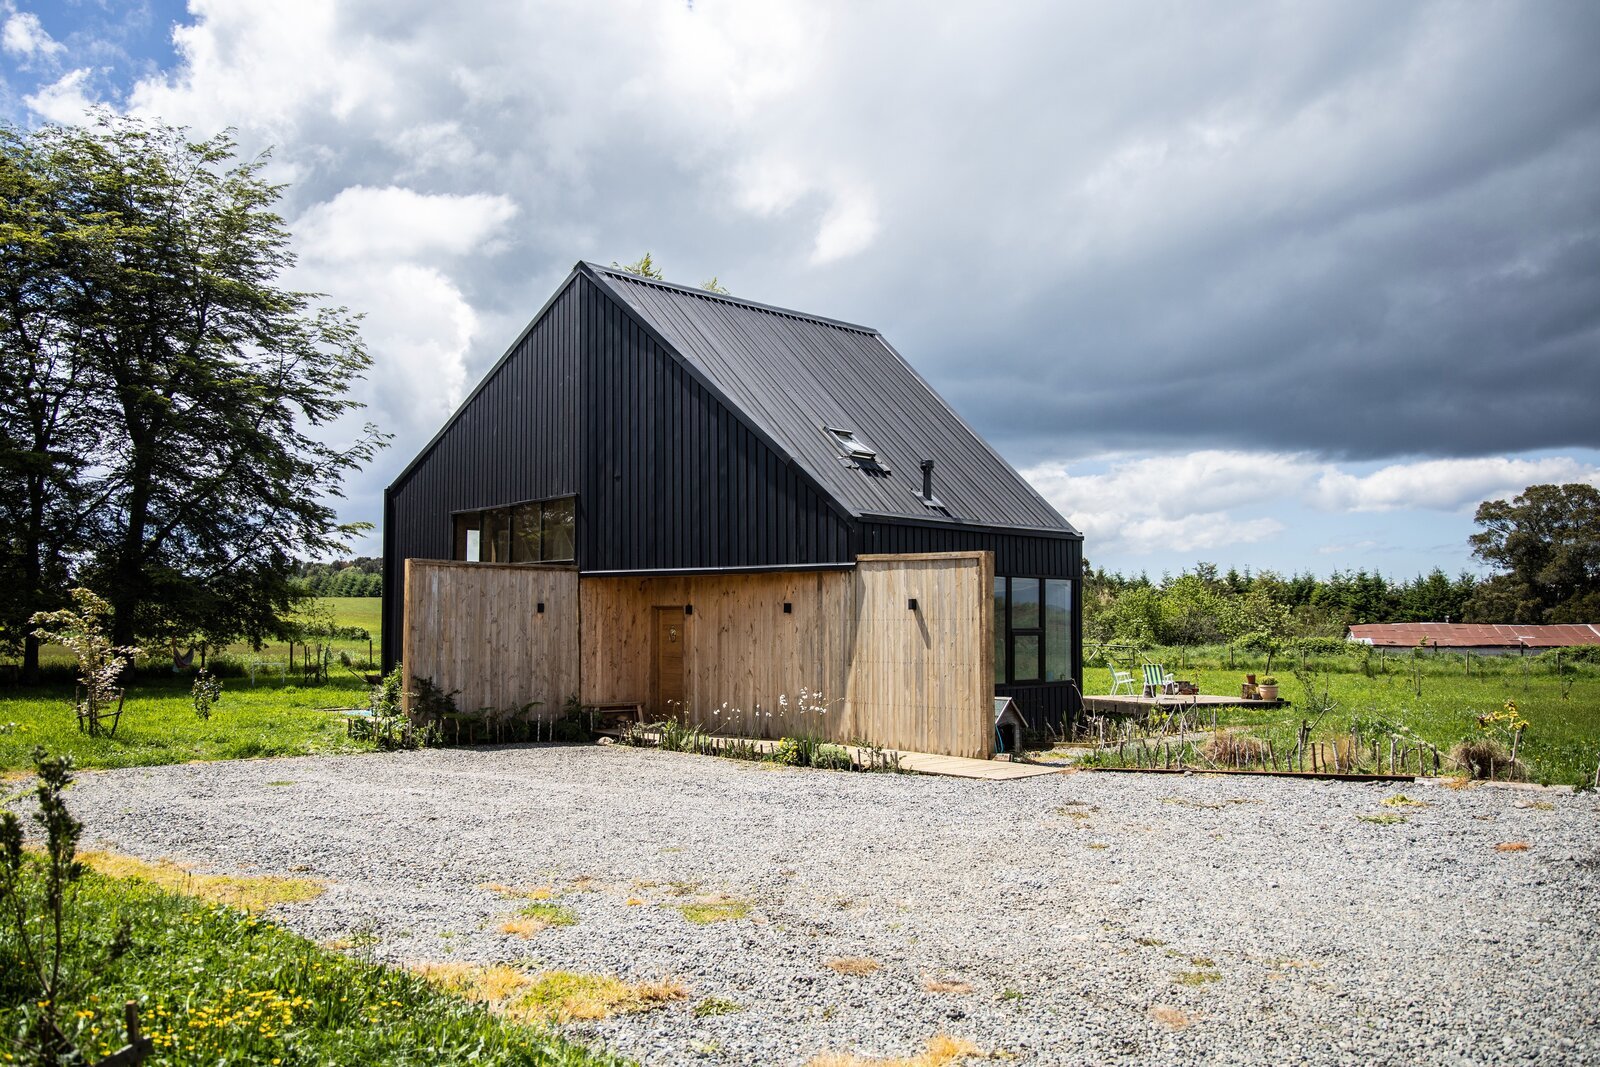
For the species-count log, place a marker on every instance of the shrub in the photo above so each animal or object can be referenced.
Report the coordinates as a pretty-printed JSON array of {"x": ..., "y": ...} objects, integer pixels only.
[
  {"x": 1235, "y": 750},
  {"x": 205, "y": 692},
  {"x": 792, "y": 752},
  {"x": 38, "y": 903},
  {"x": 832, "y": 757},
  {"x": 1485, "y": 757},
  {"x": 1576, "y": 654},
  {"x": 100, "y": 663}
]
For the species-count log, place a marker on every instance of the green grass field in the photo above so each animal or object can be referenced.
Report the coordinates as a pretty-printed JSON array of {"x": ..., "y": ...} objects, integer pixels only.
[
  {"x": 159, "y": 724},
  {"x": 1560, "y": 745},
  {"x": 362, "y": 612},
  {"x": 216, "y": 985}
]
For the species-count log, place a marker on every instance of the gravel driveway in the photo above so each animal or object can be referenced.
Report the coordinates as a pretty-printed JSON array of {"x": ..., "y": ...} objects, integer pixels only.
[{"x": 1076, "y": 918}]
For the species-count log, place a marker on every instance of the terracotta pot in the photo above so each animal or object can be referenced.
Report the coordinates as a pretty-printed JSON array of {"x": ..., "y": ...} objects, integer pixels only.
[{"x": 1268, "y": 692}]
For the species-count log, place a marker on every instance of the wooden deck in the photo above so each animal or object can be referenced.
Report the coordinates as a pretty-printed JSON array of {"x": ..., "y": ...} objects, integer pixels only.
[
  {"x": 1130, "y": 705},
  {"x": 988, "y": 770}
]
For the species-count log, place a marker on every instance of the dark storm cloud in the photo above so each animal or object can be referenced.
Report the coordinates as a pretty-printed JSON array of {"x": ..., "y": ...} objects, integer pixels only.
[{"x": 1353, "y": 229}]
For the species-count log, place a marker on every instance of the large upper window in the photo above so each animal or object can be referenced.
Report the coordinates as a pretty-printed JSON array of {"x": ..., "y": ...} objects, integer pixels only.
[
  {"x": 1032, "y": 630},
  {"x": 537, "y": 532}
]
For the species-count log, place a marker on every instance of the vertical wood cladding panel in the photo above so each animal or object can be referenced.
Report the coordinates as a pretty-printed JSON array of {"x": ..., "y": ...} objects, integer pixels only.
[
  {"x": 516, "y": 438},
  {"x": 1046, "y": 706},
  {"x": 476, "y": 628},
  {"x": 915, "y": 680}
]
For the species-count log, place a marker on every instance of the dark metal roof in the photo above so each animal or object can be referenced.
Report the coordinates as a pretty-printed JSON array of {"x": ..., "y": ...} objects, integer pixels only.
[{"x": 795, "y": 375}]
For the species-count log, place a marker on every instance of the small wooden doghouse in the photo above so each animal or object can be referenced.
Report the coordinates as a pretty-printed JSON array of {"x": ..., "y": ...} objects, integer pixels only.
[{"x": 673, "y": 497}]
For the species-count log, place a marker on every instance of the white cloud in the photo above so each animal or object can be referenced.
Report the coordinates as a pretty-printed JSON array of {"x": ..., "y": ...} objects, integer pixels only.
[
  {"x": 1443, "y": 484},
  {"x": 378, "y": 251},
  {"x": 396, "y": 223},
  {"x": 64, "y": 100},
  {"x": 848, "y": 228},
  {"x": 1205, "y": 499},
  {"x": 1088, "y": 228},
  {"x": 23, "y": 36}
]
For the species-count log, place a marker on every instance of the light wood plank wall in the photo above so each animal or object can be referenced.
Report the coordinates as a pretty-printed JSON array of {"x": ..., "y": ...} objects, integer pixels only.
[
  {"x": 919, "y": 680},
  {"x": 740, "y": 648},
  {"x": 923, "y": 680},
  {"x": 476, "y": 627}
]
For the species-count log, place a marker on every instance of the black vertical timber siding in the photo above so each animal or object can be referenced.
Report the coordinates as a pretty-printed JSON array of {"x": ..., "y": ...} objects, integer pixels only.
[
  {"x": 514, "y": 439},
  {"x": 590, "y": 403},
  {"x": 1017, "y": 554},
  {"x": 675, "y": 479}
]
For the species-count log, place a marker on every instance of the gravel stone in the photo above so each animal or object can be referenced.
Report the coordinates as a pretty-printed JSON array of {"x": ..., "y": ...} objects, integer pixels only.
[{"x": 1096, "y": 918}]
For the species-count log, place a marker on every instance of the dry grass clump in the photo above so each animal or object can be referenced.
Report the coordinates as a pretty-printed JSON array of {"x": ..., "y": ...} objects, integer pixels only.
[
  {"x": 537, "y": 917},
  {"x": 1228, "y": 749},
  {"x": 252, "y": 893},
  {"x": 1171, "y": 1018},
  {"x": 542, "y": 892},
  {"x": 568, "y": 996},
  {"x": 1400, "y": 800},
  {"x": 488, "y": 985},
  {"x": 1199, "y": 978},
  {"x": 941, "y": 985},
  {"x": 550, "y": 996},
  {"x": 857, "y": 965},
  {"x": 1384, "y": 819},
  {"x": 941, "y": 1050},
  {"x": 1486, "y": 758},
  {"x": 1512, "y": 846},
  {"x": 714, "y": 909}
]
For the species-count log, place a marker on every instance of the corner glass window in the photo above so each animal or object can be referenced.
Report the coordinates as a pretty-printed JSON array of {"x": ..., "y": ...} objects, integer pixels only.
[
  {"x": 1057, "y": 630},
  {"x": 1024, "y": 603},
  {"x": 559, "y": 542},
  {"x": 1025, "y": 657},
  {"x": 534, "y": 532},
  {"x": 1032, "y": 630},
  {"x": 526, "y": 537},
  {"x": 496, "y": 546}
]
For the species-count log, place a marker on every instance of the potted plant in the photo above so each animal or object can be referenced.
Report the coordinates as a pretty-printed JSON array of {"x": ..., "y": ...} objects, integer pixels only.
[
  {"x": 1248, "y": 690},
  {"x": 1268, "y": 687}
]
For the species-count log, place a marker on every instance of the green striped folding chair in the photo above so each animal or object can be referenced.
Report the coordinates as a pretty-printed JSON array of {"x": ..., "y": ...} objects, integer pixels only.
[{"x": 1157, "y": 680}]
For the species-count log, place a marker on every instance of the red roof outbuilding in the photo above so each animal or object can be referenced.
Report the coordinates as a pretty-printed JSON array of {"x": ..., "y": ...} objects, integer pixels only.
[{"x": 1474, "y": 635}]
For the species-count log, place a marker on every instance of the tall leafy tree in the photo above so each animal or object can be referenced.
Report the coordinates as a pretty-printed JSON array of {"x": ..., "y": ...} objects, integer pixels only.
[
  {"x": 1546, "y": 543},
  {"x": 208, "y": 387},
  {"x": 46, "y": 428}
]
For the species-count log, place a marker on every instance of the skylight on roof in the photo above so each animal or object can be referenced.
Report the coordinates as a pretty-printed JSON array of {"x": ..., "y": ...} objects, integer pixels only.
[{"x": 853, "y": 446}]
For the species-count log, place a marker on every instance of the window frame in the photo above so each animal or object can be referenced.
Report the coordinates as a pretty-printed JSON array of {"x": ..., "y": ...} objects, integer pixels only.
[
  {"x": 1005, "y": 673},
  {"x": 459, "y": 533}
]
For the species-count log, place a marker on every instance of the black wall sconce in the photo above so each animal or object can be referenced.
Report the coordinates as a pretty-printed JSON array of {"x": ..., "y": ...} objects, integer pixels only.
[
  {"x": 788, "y": 608},
  {"x": 688, "y": 609},
  {"x": 912, "y": 603},
  {"x": 541, "y": 607}
]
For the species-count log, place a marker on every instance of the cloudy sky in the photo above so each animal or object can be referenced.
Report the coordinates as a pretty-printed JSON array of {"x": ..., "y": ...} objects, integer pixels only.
[{"x": 1284, "y": 285}]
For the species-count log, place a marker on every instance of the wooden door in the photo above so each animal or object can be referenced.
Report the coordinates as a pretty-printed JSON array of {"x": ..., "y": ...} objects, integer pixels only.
[{"x": 666, "y": 689}]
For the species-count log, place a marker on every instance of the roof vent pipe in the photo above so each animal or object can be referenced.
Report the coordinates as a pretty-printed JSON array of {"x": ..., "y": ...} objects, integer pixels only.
[{"x": 927, "y": 479}]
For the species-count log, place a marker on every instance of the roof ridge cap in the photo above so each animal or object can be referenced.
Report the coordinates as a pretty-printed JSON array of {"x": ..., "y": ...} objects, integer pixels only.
[{"x": 621, "y": 275}]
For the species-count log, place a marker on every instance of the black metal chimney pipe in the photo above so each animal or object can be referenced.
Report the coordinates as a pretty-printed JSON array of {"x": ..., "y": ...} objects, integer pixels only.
[{"x": 927, "y": 479}]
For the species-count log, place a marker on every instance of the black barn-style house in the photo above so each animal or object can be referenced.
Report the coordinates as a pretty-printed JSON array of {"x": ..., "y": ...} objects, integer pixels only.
[{"x": 684, "y": 445}]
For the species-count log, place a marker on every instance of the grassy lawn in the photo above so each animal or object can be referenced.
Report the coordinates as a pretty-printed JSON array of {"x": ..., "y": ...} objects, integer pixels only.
[
  {"x": 273, "y": 716},
  {"x": 159, "y": 724},
  {"x": 272, "y": 659},
  {"x": 218, "y": 986},
  {"x": 1561, "y": 744}
]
